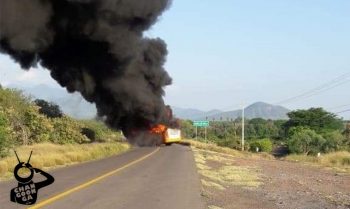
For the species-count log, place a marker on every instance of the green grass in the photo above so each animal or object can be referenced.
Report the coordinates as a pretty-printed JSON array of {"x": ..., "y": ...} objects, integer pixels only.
[{"x": 47, "y": 155}]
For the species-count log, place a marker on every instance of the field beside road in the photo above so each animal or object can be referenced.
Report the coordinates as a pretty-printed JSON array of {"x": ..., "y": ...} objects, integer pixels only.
[
  {"x": 231, "y": 179},
  {"x": 48, "y": 156}
]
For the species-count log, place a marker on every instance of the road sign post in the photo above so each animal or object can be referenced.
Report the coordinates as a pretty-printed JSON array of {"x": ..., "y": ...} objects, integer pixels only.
[
  {"x": 201, "y": 123},
  {"x": 243, "y": 129}
]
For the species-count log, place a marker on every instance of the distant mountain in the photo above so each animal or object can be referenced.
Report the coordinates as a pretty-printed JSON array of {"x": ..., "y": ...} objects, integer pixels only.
[
  {"x": 191, "y": 114},
  {"x": 73, "y": 105},
  {"x": 256, "y": 110},
  {"x": 76, "y": 106}
]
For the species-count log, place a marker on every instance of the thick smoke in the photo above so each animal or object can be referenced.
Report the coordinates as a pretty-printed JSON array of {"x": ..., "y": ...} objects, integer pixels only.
[{"x": 95, "y": 47}]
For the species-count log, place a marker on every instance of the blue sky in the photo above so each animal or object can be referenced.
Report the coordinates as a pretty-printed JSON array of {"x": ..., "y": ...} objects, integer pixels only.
[{"x": 226, "y": 53}]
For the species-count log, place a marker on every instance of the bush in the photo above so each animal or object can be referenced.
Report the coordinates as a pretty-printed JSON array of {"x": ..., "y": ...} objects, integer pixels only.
[
  {"x": 305, "y": 141},
  {"x": 100, "y": 131},
  {"x": 264, "y": 145},
  {"x": 187, "y": 129},
  {"x": 233, "y": 143},
  {"x": 335, "y": 141},
  {"x": 67, "y": 131},
  {"x": 39, "y": 127},
  {"x": 5, "y": 142},
  {"x": 334, "y": 159},
  {"x": 48, "y": 109},
  {"x": 89, "y": 133}
]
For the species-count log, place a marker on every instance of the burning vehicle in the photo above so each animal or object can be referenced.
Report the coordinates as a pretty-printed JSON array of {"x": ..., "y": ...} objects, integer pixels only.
[{"x": 168, "y": 135}]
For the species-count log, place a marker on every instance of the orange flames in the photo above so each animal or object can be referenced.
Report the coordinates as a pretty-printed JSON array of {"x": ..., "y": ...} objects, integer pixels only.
[{"x": 158, "y": 129}]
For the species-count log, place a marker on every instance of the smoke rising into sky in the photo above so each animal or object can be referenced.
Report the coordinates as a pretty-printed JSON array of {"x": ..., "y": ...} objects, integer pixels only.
[{"x": 96, "y": 48}]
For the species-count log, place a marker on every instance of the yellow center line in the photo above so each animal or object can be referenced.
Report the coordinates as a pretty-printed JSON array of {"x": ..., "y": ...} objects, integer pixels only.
[{"x": 89, "y": 183}]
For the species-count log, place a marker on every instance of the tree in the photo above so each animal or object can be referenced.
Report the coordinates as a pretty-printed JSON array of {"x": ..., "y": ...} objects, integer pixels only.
[
  {"x": 316, "y": 119},
  {"x": 346, "y": 134},
  {"x": 259, "y": 128},
  {"x": 67, "y": 131},
  {"x": 334, "y": 141},
  {"x": 264, "y": 145},
  {"x": 187, "y": 129},
  {"x": 303, "y": 140},
  {"x": 38, "y": 126},
  {"x": 5, "y": 141},
  {"x": 49, "y": 109}
]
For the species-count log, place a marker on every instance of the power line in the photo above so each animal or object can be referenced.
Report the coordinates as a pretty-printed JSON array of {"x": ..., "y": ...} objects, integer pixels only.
[
  {"x": 324, "y": 87},
  {"x": 340, "y": 80},
  {"x": 343, "y": 111},
  {"x": 337, "y": 107}
]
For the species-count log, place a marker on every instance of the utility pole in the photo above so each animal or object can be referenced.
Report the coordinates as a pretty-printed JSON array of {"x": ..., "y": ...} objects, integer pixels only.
[
  {"x": 243, "y": 128},
  {"x": 196, "y": 132}
]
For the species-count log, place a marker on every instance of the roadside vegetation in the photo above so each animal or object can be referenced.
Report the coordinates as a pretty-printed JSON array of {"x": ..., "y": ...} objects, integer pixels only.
[
  {"x": 337, "y": 160},
  {"x": 261, "y": 180},
  {"x": 49, "y": 155},
  {"x": 55, "y": 138},
  {"x": 304, "y": 136},
  {"x": 219, "y": 171},
  {"x": 217, "y": 167}
]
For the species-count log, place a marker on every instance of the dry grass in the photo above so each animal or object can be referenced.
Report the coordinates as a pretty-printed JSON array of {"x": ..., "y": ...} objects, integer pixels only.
[
  {"x": 214, "y": 147},
  {"x": 337, "y": 160},
  {"x": 225, "y": 150},
  {"x": 233, "y": 175},
  {"x": 225, "y": 173},
  {"x": 214, "y": 207},
  {"x": 212, "y": 184},
  {"x": 52, "y": 155}
]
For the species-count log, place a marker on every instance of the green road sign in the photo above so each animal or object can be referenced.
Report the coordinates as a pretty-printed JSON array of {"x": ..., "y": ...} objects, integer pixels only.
[{"x": 201, "y": 123}]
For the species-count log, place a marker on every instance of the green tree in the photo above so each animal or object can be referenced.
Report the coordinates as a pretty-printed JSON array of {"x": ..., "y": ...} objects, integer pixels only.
[
  {"x": 334, "y": 141},
  {"x": 14, "y": 105},
  {"x": 303, "y": 140},
  {"x": 346, "y": 134},
  {"x": 97, "y": 131},
  {"x": 49, "y": 109},
  {"x": 38, "y": 126},
  {"x": 259, "y": 128},
  {"x": 67, "y": 130},
  {"x": 264, "y": 145},
  {"x": 187, "y": 129},
  {"x": 316, "y": 119},
  {"x": 5, "y": 141}
]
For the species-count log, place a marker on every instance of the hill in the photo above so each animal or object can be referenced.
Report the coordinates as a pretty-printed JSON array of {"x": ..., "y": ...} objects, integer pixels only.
[
  {"x": 190, "y": 113},
  {"x": 255, "y": 110},
  {"x": 73, "y": 105}
]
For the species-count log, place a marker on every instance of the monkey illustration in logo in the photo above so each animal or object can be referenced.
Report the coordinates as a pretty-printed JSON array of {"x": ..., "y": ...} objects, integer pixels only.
[{"x": 26, "y": 192}]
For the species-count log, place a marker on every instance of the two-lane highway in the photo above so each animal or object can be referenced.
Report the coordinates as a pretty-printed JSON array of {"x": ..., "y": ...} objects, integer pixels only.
[{"x": 152, "y": 178}]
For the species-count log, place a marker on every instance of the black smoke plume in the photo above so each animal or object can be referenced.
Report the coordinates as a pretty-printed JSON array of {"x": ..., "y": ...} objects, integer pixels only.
[{"x": 95, "y": 47}]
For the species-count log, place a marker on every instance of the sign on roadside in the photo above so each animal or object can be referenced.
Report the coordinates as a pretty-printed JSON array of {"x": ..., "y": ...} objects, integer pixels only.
[{"x": 201, "y": 123}]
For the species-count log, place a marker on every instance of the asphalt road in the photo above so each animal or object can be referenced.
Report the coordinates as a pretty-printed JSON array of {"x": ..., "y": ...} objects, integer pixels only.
[{"x": 142, "y": 178}]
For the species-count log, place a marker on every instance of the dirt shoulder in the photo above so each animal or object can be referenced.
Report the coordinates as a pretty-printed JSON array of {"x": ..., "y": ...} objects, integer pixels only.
[{"x": 252, "y": 182}]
